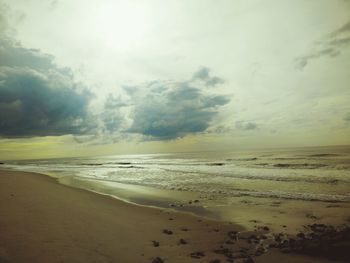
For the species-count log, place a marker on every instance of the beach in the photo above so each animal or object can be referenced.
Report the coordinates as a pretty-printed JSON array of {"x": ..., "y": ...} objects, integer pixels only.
[
  {"x": 174, "y": 131},
  {"x": 44, "y": 221},
  {"x": 284, "y": 189}
]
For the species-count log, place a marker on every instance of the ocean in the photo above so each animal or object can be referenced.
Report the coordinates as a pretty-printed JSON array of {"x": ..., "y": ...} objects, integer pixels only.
[{"x": 313, "y": 174}]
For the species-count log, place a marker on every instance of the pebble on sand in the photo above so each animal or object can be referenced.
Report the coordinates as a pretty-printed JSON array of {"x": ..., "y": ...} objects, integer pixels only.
[
  {"x": 157, "y": 260},
  {"x": 182, "y": 241},
  {"x": 197, "y": 254},
  {"x": 155, "y": 243}
]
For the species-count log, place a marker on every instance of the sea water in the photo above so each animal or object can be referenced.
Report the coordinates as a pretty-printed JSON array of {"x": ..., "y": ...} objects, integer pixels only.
[{"x": 317, "y": 173}]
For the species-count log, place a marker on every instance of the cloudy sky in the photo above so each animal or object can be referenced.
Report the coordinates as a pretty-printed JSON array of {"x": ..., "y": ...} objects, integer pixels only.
[{"x": 129, "y": 76}]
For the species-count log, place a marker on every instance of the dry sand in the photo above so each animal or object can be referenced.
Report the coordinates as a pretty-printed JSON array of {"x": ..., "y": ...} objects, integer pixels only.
[{"x": 44, "y": 221}]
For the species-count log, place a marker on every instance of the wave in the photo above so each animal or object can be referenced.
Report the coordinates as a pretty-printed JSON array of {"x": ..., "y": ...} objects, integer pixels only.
[
  {"x": 324, "y": 155},
  {"x": 215, "y": 164},
  {"x": 243, "y": 159},
  {"x": 307, "y": 178},
  {"x": 237, "y": 192},
  {"x": 300, "y": 165}
]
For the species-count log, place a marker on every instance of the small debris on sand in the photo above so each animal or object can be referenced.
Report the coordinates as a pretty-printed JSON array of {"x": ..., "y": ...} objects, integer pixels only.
[
  {"x": 155, "y": 243},
  {"x": 248, "y": 260},
  {"x": 197, "y": 254},
  {"x": 311, "y": 216},
  {"x": 168, "y": 232},
  {"x": 232, "y": 234},
  {"x": 182, "y": 241},
  {"x": 157, "y": 260}
]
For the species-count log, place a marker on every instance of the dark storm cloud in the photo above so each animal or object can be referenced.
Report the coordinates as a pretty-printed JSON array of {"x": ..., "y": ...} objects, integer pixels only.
[
  {"x": 303, "y": 61},
  {"x": 344, "y": 28},
  {"x": 204, "y": 75},
  {"x": 171, "y": 110},
  {"x": 13, "y": 55},
  {"x": 37, "y": 98},
  {"x": 111, "y": 116},
  {"x": 34, "y": 103},
  {"x": 330, "y": 46},
  {"x": 340, "y": 42},
  {"x": 241, "y": 125}
]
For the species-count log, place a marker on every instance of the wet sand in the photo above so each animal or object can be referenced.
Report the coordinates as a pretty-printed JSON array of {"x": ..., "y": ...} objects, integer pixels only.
[
  {"x": 287, "y": 215},
  {"x": 44, "y": 221}
]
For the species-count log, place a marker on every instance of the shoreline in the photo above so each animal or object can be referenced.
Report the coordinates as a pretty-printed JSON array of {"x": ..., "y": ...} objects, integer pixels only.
[
  {"x": 245, "y": 211},
  {"x": 43, "y": 220},
  {"x": 122, "y": 194}
]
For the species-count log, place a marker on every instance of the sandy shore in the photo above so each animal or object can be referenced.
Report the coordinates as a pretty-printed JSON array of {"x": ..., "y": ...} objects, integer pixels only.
[
  {"x": 44, "y": 221},
  {"x": 289, "y": 216}
]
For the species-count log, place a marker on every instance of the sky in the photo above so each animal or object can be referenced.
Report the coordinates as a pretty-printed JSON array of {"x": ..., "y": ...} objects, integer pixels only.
[{"x": 102, "y": 77}]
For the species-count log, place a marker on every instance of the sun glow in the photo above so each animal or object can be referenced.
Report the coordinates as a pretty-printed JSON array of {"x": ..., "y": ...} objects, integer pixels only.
[{"x": 121, "y": 25}]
